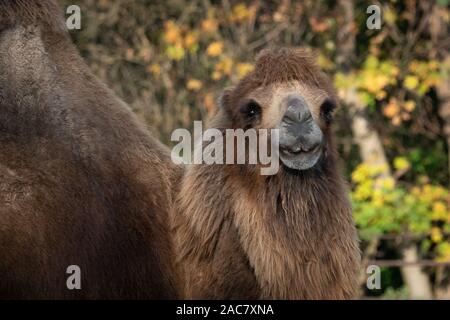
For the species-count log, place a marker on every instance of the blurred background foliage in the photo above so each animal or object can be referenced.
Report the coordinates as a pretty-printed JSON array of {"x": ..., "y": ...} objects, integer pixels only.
[{"x": 171, "y": 59}]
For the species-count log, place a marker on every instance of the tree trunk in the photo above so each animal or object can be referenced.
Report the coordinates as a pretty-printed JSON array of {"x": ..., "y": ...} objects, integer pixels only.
[
  {"x": 443, "y": 92},
  {"x": 438, "y": 29},
  {"x": 370, "y": 145},
  {"x": 418, "y": 282},
  {"x": 366, "y": 137}
]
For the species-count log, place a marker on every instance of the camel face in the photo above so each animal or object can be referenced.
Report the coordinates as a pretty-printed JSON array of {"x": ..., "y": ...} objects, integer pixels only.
[
  {"x": 286, "y": 91},
  {"x": 300, "y": 112}
]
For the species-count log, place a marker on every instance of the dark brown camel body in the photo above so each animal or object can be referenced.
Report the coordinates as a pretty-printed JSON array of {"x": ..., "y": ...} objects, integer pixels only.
[{"x": 81, "y": 181}]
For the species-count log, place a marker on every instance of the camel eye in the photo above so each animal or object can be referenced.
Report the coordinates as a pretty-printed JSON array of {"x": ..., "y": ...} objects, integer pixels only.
[
  {"x": 251, "y": 110},
  {"x": 326, "y": 110}
]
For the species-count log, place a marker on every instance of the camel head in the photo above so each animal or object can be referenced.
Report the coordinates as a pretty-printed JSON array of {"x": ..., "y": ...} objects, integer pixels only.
[{"x": 286, "y": 91}]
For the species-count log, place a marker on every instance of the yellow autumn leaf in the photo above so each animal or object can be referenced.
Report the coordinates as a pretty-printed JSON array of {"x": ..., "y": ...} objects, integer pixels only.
[
  {"x": 364, "y": 190},
  {"x": 439, "y": 211},
  {"x": 215, "y": 49},
  {"x": 444, "y": 252},
  {"x": 224, "y": 66},
  {"x": 411, "y": 82},
  {"x": 401, "y": 163},
  {"x": 378, "y": 198},
  {"x": 209, "y": 104},
  {"x": 209, "y": 25},
  {"x": 433, "y": 64},
  {"x": 413, "y": 66},
  {"x": 439, "y": 192},
  {"x": 396, "y": 121},
  {"x": 154, "y": 69},
  {"x": 190, "y": 39},
  {"x": 409, "y": 105},
  {"x": 361, "y": 173},
  {"x": 436, "y": 234},
  {"x": 375, "y": 81},
  {"x": 324, "y": 62},
  {"x": 427, "y": 193},
  {"x": 415, "y": 191},
  {"x": 392, "y": 109},
  {"x": 389, "y": 15},
  {"x": 379, "y": 169},
  {"x": 381, "y": 95},
  {"x": 240, "y": 12},
  {"x": 387, "y": 183},
  {"x": 175, "y": 52},
  {"x": 243, "y": 68},
  {"x": 194, "y": 84},
  {"x": 216, "y": 75},
  {"x": 172, "y": 33}
]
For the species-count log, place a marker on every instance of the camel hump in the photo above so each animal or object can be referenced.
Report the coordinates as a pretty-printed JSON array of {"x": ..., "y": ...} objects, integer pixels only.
[{"x": 46, "y": 13}]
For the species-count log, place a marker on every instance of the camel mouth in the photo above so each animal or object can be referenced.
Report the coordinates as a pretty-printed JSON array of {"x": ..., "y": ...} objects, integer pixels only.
[
  {"x": 300, "y": 157},
  {"x": 300, "y": 149}
]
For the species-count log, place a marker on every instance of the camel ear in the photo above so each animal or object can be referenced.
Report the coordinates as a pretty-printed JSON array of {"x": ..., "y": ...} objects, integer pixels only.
[{"x": 224, "y": 101}]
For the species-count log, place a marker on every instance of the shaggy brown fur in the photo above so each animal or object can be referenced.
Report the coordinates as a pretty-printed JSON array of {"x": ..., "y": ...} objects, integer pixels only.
[
  {"x": 242, "y": 235},
  {"x": 81, "y": 181}
]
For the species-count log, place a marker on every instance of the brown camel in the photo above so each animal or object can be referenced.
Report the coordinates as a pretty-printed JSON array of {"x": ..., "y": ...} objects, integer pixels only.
[
  {"x": 81, "y": 181},
  {"x": 243, "y": 235}
]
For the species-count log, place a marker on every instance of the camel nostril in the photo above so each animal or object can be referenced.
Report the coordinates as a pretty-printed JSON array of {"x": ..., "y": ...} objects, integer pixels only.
[{"x": 289, "y": 118}]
